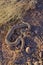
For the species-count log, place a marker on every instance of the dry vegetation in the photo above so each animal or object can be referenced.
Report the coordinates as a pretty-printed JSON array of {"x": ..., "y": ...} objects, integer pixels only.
[{"x": 11, "y": 8}]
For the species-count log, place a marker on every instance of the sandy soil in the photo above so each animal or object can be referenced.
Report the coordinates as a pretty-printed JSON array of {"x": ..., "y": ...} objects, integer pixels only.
[{"x": 34, "y": 17}]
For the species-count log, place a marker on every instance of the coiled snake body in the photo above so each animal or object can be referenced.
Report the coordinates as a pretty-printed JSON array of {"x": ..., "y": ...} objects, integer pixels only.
[{"x": 16, "y": 34}]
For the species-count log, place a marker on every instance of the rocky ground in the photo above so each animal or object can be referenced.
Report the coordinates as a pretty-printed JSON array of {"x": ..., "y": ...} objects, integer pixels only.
[{"x": 33, "y": 15}]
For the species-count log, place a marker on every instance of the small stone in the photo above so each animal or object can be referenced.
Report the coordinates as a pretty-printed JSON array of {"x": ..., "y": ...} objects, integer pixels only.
[
  {"x": 36, "y": 63},
  {"x": 27, "y": 50}
]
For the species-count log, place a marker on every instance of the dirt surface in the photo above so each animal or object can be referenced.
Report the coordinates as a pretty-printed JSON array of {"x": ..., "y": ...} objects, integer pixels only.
[{"x": 32, "y": 53}]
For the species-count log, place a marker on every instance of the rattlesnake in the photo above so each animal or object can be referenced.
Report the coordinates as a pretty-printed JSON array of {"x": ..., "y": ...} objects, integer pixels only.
[{"x": 17, "y": 32}]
